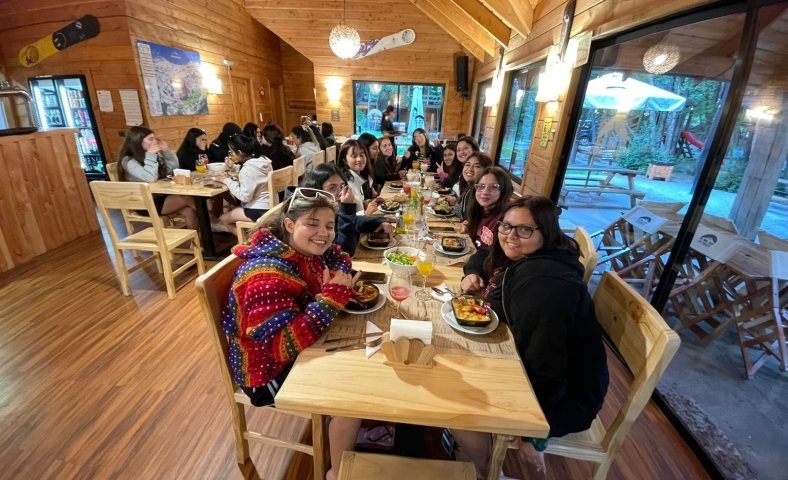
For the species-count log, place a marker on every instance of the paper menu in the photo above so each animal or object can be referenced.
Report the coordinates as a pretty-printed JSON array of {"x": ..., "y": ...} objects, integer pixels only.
[
  {"x": 645, "y": 220},
  {"x": 105, "y": 101},
  {"x": 714, "y": 244}
]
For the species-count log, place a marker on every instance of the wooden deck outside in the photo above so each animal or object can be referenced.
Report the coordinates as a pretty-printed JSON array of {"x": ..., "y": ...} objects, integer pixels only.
[{"x": 97, "y": 385}]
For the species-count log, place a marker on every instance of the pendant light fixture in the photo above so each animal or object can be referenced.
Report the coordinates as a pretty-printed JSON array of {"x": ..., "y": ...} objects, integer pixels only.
[
  {"x": 661, "y": 59},
  {"x": 344, "y": 40}
]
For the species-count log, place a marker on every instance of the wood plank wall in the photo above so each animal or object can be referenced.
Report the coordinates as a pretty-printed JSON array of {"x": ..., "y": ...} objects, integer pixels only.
[
  {"x": 45, "y": 200},
  {"x": 107, "y": 61},
  {"x": 603, "y": 18},
  {"x": 299, "y": 77},
  {"x": 218, "y": 30}
]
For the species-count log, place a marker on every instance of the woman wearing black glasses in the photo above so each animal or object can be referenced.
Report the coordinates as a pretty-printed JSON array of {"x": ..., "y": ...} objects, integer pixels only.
[
  {"x": 492, "y": 191},
  {"x": 533, "y": 281}
]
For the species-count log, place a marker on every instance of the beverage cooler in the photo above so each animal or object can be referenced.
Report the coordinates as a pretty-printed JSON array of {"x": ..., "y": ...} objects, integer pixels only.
[{"x": 63, "y": 102}]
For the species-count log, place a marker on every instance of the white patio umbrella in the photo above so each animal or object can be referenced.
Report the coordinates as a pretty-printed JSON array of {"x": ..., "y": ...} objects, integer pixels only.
[
  {"x": 609, "y": 92},
  {"x": 416, "y": 109}
]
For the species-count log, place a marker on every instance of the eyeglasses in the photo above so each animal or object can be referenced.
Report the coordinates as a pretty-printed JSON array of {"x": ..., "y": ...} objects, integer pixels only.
[
  {"x": 522, "y": 231},
  {"x": 334, "y": 189},
  {"x": 310, "y": 193},
  {"x": 480, "y": 187}
]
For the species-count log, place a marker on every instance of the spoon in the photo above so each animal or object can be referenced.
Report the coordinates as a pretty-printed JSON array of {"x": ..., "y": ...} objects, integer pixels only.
[{"x": 373, "y": 343}]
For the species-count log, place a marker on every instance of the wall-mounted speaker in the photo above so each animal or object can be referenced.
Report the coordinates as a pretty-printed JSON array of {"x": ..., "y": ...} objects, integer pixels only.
[{"x": 461, "y": 71}]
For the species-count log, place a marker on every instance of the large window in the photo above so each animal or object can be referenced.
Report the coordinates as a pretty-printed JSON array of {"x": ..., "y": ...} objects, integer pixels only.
[
  {"x": 416, "y": 106},
  {"x": 519, "y": 121},
  {"x": 481, "y": 113}
]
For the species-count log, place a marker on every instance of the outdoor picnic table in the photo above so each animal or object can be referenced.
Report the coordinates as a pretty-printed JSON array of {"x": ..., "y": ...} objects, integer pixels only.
[{"x": 585, "y": 183}]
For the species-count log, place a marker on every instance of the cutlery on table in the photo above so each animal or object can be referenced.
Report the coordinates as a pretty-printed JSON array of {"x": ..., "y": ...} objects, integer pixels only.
[
  {"x": 358, "y": 337},
  {"x": 373, "y": 343}
]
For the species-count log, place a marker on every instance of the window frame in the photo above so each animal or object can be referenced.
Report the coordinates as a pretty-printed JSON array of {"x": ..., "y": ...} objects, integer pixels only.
[
  {"x": 399, "y": 90},
  {"x": 479, "y": 85}
]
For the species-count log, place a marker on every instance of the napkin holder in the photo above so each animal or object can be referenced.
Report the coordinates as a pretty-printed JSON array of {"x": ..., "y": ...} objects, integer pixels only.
[
  {"x": 181, "y": 176},
  {"x": 407, "y": 351}
]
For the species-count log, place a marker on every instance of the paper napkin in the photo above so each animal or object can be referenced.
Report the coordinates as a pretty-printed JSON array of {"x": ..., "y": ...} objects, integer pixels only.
[{"x": 372, "y": 328}]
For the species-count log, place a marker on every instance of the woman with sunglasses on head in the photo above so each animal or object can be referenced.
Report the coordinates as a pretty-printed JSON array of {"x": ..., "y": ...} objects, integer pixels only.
[
  {"x": 533, "y": 280},
  {"x": 329, "y": 177},
  {"x": 301, "y": 137},
  {"x": 251, "y": 188},
  {"x": 464, "y": 187},
  {"x": 450, "y": 170},
  {"x": 386, "y": 166},
  {"x": 352, "y": 161},
  {"x": 292, "y": 285},
  {"x": 422, "y": 150},
  {"x": 491, "y": 192}
]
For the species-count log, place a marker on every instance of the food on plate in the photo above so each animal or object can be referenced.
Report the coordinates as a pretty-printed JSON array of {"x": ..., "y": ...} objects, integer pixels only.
[
  {"x": 453, "y": 244},
  {"x": 390, "y": 205},
  {"x": 443, "y": 209},
  {"x": 400, "y": 198},
  {"x": 470, "y": 312},
  {"x": 443, "y": 190},
  {"x": 378, "y": 239},
  {"x": 401, "y": 258},
  {"x": 395, "y": 184},
  {"x": 364, "y": 296}
]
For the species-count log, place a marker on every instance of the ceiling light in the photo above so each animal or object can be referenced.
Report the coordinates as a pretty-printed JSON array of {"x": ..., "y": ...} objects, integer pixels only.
[
  {"x": 661, "y": 59},
  {"x": 345, "y": 41}
]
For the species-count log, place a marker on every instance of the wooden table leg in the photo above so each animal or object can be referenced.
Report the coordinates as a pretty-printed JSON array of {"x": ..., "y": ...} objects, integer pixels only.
[
  {"x": 497, "y": 456},
  {"x": 204, "y": 225},
  {"x": 631, "y": 182},
  {"x": 320, "y": 449}
]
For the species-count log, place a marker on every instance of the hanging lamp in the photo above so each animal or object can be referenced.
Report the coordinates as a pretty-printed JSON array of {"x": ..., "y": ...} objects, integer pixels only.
[
  {"x": 344, "y": 40},
  {"x": 661, "y": 59}
]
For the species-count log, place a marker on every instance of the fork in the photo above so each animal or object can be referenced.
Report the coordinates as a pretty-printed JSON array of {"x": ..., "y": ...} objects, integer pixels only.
[{"x": 373, "y": 343}]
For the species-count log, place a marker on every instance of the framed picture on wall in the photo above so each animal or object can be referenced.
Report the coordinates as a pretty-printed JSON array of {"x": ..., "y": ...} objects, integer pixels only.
[{"x": 173, "y": 80}]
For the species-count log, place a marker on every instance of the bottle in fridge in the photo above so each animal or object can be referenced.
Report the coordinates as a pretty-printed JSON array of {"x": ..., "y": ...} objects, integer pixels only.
[{"x": 64, "y": 102}]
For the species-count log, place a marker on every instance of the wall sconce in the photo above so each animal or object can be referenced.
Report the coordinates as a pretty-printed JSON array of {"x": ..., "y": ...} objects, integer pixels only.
[
  {"x": 334, "y": 90},
  {"x": 761, "y": 113},
  {"x": 210, "y": 81},
  {"x": 375, "y": 88},
  {"x": 554, "y": 77}
]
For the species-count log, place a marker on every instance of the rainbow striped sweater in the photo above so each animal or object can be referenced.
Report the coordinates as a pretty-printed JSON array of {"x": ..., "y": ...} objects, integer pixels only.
[{"x": 279, "y": 306}]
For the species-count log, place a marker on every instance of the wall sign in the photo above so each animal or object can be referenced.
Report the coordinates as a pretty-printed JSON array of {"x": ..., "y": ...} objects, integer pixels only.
[
  {"x": 546, "y": 128},
  {"x": 262, "y": 94},
  {"x": 172, "y": 80},
  {"x": 335, "y": 115},
  {"x": 583, "y": 48}
]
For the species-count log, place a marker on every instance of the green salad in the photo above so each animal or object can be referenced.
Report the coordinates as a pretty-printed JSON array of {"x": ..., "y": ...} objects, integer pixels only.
[{"x": 401, "y": 258}]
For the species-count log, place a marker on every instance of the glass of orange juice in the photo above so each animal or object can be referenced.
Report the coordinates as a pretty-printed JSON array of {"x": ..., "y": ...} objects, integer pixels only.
[
  {"x": 415, "y": 164},
  {"x": 425, "y": 264}
]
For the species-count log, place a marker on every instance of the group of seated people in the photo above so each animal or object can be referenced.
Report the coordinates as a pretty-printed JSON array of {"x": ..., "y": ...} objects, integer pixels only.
[{"x": 296, "y": 277}]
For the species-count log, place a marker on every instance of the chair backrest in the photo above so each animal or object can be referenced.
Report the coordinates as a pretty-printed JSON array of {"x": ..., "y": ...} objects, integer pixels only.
[
  {"x": 278, "y": 181},
  {"x": 588, "y": 252},
  {"x": 644, "y": 340},
  {"x": 125, "y": 196},
  {"x": 772, "y": 242},
  {"x": 331, "y": 154},
  {"x": 318, "y": 158},
  {"x": 112, "y": 171},
  {"x": 213, "y": 289},
  {"x": 299, "y": 164},
  {"x": 662, "y": 208}
]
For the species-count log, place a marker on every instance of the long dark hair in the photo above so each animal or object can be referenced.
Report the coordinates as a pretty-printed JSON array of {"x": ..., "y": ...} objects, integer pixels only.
[
  {"x": 302, "y": 133},
  {"x": 470, "y": 141},
  {"x": 483, "y": 159},
  {"x": 189, "y": 145},
  {"x": 321, "y": 140},
  {"x": 275, "y": 138},
  {"x": 391, "y": 160},
  {"x": 320, "y": 175},
  {"x": 132, "y": 148},
  {"x": 367, "y": 139},
  {"x": 244, "y": 145},
  {"x": 545, "y": 215},
  {"x": 455, "y": 164},
  {"x": 474, "y": 212},
  {"x": 250, "y": 130},
  {"x": 427, "y": 146},
  {"x": 327, "y": 129},
  {"x": 342, "y": 160}
]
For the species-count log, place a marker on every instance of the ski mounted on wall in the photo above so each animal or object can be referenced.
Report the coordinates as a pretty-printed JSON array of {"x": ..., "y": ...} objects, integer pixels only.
[
  {"x": 80, "y": 30},
  {"x": 399, "y": 39}
]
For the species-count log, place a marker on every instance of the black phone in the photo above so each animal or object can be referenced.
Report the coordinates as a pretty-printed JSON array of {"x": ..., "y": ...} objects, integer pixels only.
[
  {"x": 442, "y": 229},
  {"x": 371, "y": 277}
]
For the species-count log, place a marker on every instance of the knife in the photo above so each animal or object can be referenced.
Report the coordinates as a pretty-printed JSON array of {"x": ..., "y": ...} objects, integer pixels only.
[{"x": 360, "y": 337}]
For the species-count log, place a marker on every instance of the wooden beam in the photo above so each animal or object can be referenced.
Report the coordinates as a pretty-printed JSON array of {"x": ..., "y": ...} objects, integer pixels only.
[
  {"x": 516, "y": 13},
  {"x": 466, "y": 24},
  {"x": 443, "y": 21},
  {"x": 486, "y": 19}
]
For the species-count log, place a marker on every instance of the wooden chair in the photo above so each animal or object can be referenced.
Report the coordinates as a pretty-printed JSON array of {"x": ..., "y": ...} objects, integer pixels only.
[
  {"x": 615, "y": 237},
  {"x": 212, "y": 290},
  {"x": 642, "y": 263},
  {"x": 318, "y": 158},
  {"x": 772, "y": 242},
  {"x": 161, "y": 242},
  {"x": 331, "y": 154},
  {"x": 719, "y": 222},
  {"x": 278, "y": 181},
  {"x": 243, "y": 231},
  {"x": 130, "y": 216},
  {"x": 587, "y": 251},
  {"x": 368, "y": 466},
  {"x": 647, "y": 345},
  {"x": 299, "y": 169}
]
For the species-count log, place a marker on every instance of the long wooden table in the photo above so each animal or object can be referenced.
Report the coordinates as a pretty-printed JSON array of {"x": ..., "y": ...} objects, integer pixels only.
[
  {"x": 466, "y": 390},
  {"x": 603, "y": 185},
  {"x": 201, "y": 194}
]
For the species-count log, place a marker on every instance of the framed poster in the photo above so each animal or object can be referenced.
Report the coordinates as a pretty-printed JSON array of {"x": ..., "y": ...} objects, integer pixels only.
[{"x": 173, "y": 81}]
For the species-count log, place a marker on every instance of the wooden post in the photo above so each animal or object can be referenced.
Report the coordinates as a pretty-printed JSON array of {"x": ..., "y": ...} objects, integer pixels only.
[{"x": 769, "y": 150}]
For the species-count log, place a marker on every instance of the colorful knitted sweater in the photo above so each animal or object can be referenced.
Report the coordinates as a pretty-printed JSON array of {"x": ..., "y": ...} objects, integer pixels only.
[{"x": 279, "y": 306}]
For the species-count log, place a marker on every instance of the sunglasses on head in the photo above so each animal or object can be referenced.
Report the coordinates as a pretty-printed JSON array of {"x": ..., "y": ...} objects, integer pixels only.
[{"x": 310, "y": 193}]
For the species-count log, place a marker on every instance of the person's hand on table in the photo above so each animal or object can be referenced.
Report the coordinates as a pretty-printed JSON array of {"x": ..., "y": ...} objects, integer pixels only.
[
  {"x": 528, "y": 455},
  {"x": 472, "y": 283},
  {"x": 346, "y": 195},
  {"x": 451, "y": 200},
  {"x": 402, "y": 174},
  {"x": 220, "y": 178},
  {"x": 340, "y": 278},
  {"x": 385, "y": 227},
  {"x": 464, "y": 228}
]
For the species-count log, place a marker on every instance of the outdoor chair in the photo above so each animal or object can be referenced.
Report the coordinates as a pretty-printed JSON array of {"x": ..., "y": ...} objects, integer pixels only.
[{"x": 772, "y": 242}]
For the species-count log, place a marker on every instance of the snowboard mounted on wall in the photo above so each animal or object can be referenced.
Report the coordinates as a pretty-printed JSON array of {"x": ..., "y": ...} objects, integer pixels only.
[
  {"x": 399, "y": 39},
  {"x": 80, "y": 30}
]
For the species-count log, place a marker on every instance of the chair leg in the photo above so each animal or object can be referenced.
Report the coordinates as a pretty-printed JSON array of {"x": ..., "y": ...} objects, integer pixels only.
[
  {"x": 320, "y": 450},
  {"x": 158, "y": 262},
  {"x": 499, "y": 447},
  {"x": 239, "y": 427},
  {"x": 122, "y": 272},
  {"x": 166, "y": 261},
  {"x": 198, "y": 254},
  {"x": 601, "y": 469}
]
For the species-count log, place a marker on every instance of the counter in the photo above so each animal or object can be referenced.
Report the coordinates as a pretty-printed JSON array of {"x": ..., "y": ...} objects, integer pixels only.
[{"x": 45, "y": 201}]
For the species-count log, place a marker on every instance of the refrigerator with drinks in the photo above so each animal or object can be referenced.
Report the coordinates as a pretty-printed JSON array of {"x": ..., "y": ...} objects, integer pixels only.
[{"x": 64, "y": 102}]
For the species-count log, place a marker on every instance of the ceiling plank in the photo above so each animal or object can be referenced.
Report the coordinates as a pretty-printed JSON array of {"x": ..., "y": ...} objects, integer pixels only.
[
  {"x": 466, "y": 24},
  {"x": 486, "y": 19},
  {"x": 443, "y": 21},
  {"x": 516, "y": 13}
]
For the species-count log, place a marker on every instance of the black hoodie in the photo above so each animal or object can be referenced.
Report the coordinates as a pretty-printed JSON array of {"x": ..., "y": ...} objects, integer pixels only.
[
  {"x": 546, "y": 304},
  {"x": 218, "y": 150}
]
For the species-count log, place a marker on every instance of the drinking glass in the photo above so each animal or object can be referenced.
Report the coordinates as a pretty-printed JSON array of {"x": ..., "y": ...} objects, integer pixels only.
[
  {"x": 424, "y": 166},
  {"x": 415, "y": 164},
  {"x": 425, "y": 267},
  {"x": 399, "y": 287},
  {"x": 202, "y": 162},
  {"x": 406, "y": 188},
  {"x": 429, "y": 181}
]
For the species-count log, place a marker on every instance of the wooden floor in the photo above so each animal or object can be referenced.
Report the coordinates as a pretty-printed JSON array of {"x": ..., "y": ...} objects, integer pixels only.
[{"x": 97, "y": 385}]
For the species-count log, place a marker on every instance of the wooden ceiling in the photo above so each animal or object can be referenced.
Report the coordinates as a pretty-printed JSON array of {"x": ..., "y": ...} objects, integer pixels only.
[{"x": 481, "y": 27}]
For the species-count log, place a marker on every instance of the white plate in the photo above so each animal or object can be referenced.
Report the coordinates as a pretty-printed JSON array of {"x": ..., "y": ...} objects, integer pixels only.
[
  {"x": 394, "y": 189},
  {"x": 381, "y": 210},
  {"x": 448, "y": 316},
  {"x": 378, "y": 305},
  {"x": 441, "y": 215},
  {"x": 437, "y": 247},
  {"x": 392, "y": 243}
]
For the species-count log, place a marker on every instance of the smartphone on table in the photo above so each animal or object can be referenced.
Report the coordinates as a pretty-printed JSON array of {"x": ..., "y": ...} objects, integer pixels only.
[{"x": 371, "y": 277}]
